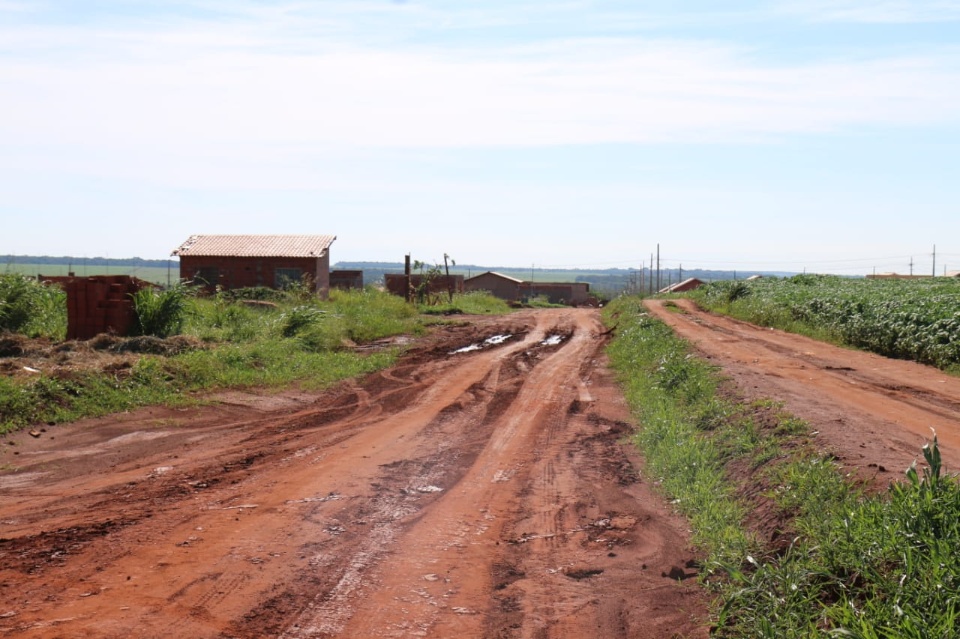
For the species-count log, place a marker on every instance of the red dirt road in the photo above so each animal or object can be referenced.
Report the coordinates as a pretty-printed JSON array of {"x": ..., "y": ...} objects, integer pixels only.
[
  {"x": 872, "y": 412},
  {"x": 478, "y": 494}
]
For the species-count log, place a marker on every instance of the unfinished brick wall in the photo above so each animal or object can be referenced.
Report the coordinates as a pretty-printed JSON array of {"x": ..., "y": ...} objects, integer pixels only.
[
  {"x": 346, "y": 279},
  {"x": 99, "y": 304},
  {"x": 397, "y": 284}
]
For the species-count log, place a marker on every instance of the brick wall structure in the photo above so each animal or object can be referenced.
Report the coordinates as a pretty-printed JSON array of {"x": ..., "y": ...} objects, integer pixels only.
[
  {"x": 346, "y": 280},
  {"x": 99, "y": 304},
  {"x": 397, "y": 284},
  {"x": 248, "y": 272}
]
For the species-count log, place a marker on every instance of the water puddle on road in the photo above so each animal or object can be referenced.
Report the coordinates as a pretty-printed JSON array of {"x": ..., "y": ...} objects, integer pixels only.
[{"x": 495, "y": 340}]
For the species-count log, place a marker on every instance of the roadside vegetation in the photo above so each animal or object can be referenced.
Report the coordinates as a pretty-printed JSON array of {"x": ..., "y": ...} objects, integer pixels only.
[
  {"x": 907, "y": 319},
  {"x": 189, "y": 343},
  {"x": 30, "y": 308},
  {"x": 791, "y": 547}
]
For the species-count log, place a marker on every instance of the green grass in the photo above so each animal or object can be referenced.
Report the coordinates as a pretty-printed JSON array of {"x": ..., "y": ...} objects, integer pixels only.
[
  {"x": 848, "y": 563},
  {"x": 303, "y": 342},
  {"x": 473, "y": 303}
]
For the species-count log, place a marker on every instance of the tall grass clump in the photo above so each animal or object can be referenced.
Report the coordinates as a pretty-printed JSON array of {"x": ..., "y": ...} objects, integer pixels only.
[
  {"x": 161, "y": 313},
  {"x": 369, "y": 314},
  {"x": 31, "y": 307},
  {"x": 848, "y": 562}
]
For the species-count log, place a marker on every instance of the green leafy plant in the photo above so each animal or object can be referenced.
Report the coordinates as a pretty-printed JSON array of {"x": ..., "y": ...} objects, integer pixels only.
[
  {"x": 31, "y": 307},
  {"x": 161, "y": 313},
  {"x": 299, "y": 318}
]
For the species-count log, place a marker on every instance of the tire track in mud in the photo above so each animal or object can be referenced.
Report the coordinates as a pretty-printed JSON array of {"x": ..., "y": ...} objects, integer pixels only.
[
  {"x": 873, "y": 412},
  {"x": 465, "y": 428},
  {"x": 388, "y": 507}
]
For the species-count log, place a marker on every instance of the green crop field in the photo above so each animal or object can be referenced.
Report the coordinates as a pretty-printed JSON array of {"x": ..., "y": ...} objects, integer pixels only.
[{"x": 907, "y": 319}]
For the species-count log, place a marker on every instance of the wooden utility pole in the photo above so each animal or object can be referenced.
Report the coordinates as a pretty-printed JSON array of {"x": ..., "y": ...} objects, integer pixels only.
[{"x": 406, "y": 273}]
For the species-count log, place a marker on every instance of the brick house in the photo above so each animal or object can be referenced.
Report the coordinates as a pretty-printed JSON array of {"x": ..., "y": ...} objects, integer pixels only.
[
  {"x": 499, "y": 285},
  {"x": 240, "y": 261},
  {"x": 514, "y": 290}
]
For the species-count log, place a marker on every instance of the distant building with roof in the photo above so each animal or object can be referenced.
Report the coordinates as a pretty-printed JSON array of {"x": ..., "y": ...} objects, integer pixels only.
[
  {"x": 240, "y": 261},
  {"x": 680, "y": 287},
  {"x": 513, "y": 290}
]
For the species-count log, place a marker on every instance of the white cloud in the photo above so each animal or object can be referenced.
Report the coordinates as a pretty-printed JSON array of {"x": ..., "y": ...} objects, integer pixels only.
[
  {"x": 236, "y": 102},
  {"x": 189, "y": 89}
]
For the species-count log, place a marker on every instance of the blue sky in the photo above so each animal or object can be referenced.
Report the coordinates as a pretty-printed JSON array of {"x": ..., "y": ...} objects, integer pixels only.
[{"x": 784, "y": 135}]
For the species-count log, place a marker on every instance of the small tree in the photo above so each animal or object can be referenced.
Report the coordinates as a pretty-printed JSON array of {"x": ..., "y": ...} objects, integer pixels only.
[{"x": 428, "y": 274}]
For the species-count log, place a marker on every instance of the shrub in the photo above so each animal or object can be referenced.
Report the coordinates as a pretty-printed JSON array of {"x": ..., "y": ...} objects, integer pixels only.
[
  {"x": 299, "y": 318},
  {"x": 30, "y": 307},
  {"x": 161, "y": 313}
]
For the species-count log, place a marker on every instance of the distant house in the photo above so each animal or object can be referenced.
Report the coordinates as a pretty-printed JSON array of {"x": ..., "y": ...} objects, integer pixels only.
[
  {"x": 240, "y": 261},
  {"x": 514, "y": 290},
  {"x": 499, "y": 285},
  {"x": 680, "y": 287},
  {"x": 572, "y": 293}
]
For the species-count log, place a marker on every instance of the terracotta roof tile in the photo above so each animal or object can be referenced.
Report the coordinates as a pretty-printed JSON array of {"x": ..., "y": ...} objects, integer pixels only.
[{"x": 255, "y": 245}]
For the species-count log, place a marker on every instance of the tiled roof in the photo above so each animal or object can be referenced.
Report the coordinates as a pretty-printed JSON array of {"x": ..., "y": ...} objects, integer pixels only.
[{"x": 255, "y": 245}]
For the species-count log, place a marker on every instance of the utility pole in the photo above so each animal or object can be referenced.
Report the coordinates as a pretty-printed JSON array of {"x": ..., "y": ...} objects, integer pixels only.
[
  {"x": 658, "y": 268},
  {"x": 680, "y": 274},
  {"x": 911, "y": 266},
  {"x": 643, "y": 266}
]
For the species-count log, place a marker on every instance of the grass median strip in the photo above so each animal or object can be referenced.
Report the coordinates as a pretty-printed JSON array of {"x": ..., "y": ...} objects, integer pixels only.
[{"x": 791, "y": 546}]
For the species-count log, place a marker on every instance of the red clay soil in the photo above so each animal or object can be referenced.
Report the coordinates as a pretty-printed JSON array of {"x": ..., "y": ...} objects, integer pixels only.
[
  {"x": 479, "y": 494},
  {"x": 873, "y": 413}
]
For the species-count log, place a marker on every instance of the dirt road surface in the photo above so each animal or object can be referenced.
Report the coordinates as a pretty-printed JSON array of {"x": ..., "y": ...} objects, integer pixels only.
[
  {"x": 483, "y": 493},
  {"x": 873, "y": 413}
]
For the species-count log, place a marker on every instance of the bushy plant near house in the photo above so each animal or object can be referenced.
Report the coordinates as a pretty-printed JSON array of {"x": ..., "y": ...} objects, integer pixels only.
[{"x": 161, "y": 313}]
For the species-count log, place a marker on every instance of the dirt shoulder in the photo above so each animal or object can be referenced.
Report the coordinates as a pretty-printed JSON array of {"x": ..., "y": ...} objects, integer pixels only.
[
  {"x": 872, "y": 412},
  {"x": 486, "y": 493}
]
